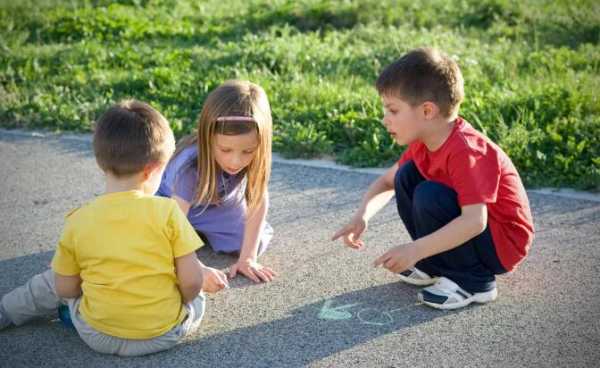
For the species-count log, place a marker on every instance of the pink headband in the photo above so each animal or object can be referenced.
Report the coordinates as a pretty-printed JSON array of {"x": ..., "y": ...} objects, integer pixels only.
[{"x": 236, "y": 118}]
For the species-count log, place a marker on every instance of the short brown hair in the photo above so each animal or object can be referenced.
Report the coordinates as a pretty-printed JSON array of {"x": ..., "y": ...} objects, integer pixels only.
[
  {"x": 421, "y": 75},
  {"x": 130, "y": 135}
]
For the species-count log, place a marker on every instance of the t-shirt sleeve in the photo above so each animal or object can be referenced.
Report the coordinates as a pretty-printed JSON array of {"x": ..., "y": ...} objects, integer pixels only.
[
  {"x": 64, "y": 261},
  {"x": 185, "y": 184},
  {"x": 182, "y": 235},
  {"x": 475, "y": 176}
]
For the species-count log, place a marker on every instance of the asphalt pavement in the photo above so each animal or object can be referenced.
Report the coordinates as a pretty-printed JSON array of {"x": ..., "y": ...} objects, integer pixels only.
[{"x": 329, "y": 307}]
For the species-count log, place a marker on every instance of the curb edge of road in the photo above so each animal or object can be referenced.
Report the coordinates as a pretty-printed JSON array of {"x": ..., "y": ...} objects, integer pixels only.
[{"x": 313, "y": 163}]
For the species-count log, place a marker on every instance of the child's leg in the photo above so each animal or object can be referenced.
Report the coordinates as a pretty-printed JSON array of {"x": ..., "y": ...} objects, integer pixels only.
[
  {"x": 428, "y": 206},
  {"x": 107, "y": 344},
  {"x": 195, "y": 314},
  {"x": 37, "y": 298},
  {"x": 434, "y": 206},
  {"x": 266, "y": 234},
  {"x": 407, "y": 179}
]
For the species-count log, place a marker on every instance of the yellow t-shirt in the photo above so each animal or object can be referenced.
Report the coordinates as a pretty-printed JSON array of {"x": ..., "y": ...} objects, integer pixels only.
[{"x": 123, "y": 245}]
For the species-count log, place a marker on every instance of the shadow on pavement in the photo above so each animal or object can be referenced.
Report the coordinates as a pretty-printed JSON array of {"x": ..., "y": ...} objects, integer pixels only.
[
  {"x": 317, "y": 330},
  {"x": 308, "y": 333}
]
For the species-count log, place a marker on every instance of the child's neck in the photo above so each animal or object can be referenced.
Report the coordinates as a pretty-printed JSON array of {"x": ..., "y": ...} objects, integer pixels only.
[
  {"x": 117, "y": 184},
  {"x": 440, "y": 130}
]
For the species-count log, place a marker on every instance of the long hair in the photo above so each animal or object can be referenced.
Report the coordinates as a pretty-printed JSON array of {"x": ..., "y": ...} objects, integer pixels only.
[{"x": 232, "y": 98}]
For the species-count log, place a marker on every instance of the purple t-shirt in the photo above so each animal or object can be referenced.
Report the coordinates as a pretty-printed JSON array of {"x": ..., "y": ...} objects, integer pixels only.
[{"x": 223, "y": 224}]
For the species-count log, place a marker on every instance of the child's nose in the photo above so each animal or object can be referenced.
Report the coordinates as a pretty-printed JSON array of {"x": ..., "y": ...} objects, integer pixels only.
[
  {"x": 384, "y": 121},
  {"x": 237, "y": 161}
]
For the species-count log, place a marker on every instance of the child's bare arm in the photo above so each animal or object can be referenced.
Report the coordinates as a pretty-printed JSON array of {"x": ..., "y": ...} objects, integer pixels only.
[
  {"x": 247, "y": 263},
  {"x": 189, "y": 276},
  {"x": 377, "y": 196},
  {"x": 471, "y": 222},
  {"x": 67, "y": 286},
  {"x": 254, "y": 222},
  {"x": 193, "y": 277}
]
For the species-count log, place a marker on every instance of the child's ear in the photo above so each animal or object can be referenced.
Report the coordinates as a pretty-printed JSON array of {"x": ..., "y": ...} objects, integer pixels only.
[
  {"x": 150, "y": 168},
  {"x": 430, "y": 110}
]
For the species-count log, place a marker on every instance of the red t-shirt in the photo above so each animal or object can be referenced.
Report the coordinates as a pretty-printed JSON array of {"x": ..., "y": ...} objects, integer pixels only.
[{"x": 480, "y": 172}]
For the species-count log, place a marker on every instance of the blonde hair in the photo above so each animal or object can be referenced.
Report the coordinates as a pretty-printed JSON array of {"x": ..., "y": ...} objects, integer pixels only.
[{"x": 232, "y": 98}]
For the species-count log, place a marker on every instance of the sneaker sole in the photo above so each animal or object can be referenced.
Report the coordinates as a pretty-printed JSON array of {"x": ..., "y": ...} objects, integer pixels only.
[{"x": 480, "y": 298}]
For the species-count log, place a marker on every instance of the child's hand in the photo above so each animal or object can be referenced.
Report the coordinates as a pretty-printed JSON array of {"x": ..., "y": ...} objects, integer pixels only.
[
  {"x": 252, "y": 270},
  {"x": 213, "y": 280},
  {"x": 351, "y": 232},
  {"x": 399, "y": 258}
]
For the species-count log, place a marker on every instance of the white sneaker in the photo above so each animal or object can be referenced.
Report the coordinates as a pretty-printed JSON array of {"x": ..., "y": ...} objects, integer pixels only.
[
  {"x": 446, "y": 294},
  {"x": 414, "y": 276}
]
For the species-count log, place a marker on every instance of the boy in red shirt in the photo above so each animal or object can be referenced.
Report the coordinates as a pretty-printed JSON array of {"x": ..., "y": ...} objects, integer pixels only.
[{"x": 458, "y": 194}]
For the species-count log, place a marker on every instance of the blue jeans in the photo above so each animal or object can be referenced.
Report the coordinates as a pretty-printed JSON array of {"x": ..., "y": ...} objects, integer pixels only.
[{"x": 426, "y": 206}]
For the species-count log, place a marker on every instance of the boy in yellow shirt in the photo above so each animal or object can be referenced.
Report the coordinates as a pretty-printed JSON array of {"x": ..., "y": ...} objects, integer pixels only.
[{"x": 125, "y": 263}]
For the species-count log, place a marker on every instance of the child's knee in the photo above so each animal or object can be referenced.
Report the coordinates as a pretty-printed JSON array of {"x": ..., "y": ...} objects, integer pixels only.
[
  {"x": 426, "y": 193},
  {"x": 404, "y": 175},
  {"x": 432, "y": 197}
]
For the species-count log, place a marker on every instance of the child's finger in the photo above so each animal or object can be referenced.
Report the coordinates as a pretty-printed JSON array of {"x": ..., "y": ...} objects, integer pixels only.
[
  {"x": 268, "y": 271},
  {"x": 354, "y": 243},
  {"x": 232, "y": 272},
  {"x": 356, "y": 238},
  {"x": 251, "y": 275},
  {"x": 380, "y": 260},
  {"x": 339, "y": 233},
  {"x": 263, "y": 276},
  {"x": 390, "y": 264},
  {"x": 350, "y": 241},
  {"x": 271, "y": 273},
  {"x": 223, "y": 280},
  {"x": 267, "y": 275},
  {"x": 346, "y": 239},
  {"x": 398, "y": 268}
]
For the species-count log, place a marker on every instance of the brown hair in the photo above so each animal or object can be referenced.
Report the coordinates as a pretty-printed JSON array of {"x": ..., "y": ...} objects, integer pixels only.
[
  {"x": 130, "y": 135},
  {"x": 421, "y": 75},
  {"x": 233, "y": 98}
]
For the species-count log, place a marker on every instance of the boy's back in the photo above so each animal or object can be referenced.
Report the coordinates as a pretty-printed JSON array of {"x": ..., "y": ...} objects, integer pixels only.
[
  {"x": 125, "y": 265},
  {"x": 123, "y": 247}
]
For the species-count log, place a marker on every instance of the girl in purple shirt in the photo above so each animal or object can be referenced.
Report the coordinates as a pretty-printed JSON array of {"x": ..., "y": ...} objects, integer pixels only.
[{"x": 219, "y": 175}]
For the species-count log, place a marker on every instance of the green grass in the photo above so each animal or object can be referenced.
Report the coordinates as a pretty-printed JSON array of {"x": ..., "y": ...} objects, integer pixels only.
[{"x": 531, "y": 69}]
